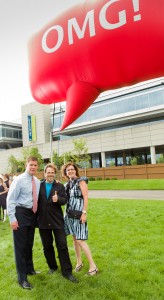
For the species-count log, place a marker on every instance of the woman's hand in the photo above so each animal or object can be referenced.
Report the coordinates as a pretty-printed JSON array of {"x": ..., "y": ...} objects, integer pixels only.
[{"x": 83, "y": 218}]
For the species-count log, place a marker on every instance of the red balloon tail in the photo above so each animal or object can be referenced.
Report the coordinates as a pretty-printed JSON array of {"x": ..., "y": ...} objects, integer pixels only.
[{"x": 80, "y": 96}]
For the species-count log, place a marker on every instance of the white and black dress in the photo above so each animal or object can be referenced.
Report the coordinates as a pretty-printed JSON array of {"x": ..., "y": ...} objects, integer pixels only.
[{"x": 75, "y": 202}]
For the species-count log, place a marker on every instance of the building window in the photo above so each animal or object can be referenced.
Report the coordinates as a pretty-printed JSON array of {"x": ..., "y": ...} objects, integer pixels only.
[
  {"x": 15, "y": 134},
  {"x": 96, "y": 160}
]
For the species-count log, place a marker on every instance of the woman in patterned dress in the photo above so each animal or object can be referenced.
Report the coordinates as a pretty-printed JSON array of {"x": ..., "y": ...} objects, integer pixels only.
[{"x": 77, "y": 191}]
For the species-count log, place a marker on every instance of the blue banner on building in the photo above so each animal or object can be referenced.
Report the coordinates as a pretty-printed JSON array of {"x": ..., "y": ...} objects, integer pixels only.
[
  {"x": 29, "y": 128},
  {"x": 32, "y": 128}
]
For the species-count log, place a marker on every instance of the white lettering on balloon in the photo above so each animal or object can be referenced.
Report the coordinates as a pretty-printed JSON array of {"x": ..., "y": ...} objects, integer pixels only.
[
  {"x": 60, "y": 32},
  {"x": 89, "y": 19},
  {"x": 103, "y": 21},
  {"x": 72, "y": 23}
]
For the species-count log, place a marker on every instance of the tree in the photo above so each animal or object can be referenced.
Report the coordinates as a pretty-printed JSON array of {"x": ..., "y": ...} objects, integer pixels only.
[
  {"x": 80, "y": 153},
  {"x": 13, "y": 164},
  {"x": 18, "y": 166},
  {"x": 160, "y": 160},
  {"x": 57, "y": 160},
  {"x": 33, "y": 152}
]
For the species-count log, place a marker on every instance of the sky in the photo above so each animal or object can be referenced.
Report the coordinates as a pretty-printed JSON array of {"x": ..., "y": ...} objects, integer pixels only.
[{"x": 19, "y": 20}]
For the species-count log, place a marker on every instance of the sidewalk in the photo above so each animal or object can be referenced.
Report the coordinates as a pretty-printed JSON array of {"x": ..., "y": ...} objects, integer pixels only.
[{"x": 135, "y": 194}]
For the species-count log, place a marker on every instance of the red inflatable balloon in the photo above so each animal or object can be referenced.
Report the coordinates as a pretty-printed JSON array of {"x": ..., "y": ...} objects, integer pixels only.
[{"x": 93, "y": 47}]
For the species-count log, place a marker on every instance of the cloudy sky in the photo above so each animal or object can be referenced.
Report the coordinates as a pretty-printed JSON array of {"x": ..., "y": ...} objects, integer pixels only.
[{"x": 19, "y": 19}]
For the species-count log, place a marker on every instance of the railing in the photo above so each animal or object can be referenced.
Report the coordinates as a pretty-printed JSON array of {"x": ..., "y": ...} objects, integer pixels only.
[
  {"x": 127, "y": 172},
  {"x": 120, "y": 172}
]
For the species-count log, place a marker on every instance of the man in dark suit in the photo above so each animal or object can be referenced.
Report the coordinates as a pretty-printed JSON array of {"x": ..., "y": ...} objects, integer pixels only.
[{"x": 50, "y": 221}]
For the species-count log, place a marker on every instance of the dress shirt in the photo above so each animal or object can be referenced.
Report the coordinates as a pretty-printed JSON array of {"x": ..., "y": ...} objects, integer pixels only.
[{"x": 20, "y": 194}]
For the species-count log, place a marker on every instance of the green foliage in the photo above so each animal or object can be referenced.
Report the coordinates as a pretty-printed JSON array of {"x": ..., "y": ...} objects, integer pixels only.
[
  {"x": 112, "y": 164},
  {"x": 91, "y": 178},
  {"x": 137, "y": 160},
  {"x": 13, "y": 164},
  {"x": 79, "y": 155},
  {"x": 98, "y": 178},
  {"x": 68, "y": 156},
  {"x": 133, "y": 161},
  {"x": 125, "y": 238},
  {"x": 18, "y": 166},
  {"x": 21, "y": 166},
  {"x": 34, "y": 151},
  {"x": 57, "y": 160},
  {"x": 114, "y": 178},
  {"x": 160, "y": 160}
]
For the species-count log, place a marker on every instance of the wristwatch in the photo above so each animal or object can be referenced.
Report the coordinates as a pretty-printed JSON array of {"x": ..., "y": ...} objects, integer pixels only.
[{"x": 84, "y": 212}]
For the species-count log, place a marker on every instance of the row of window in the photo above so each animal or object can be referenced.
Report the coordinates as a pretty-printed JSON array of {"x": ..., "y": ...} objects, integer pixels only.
[
  {"x": 121, "y": 158},
  {"x": 10, "y": 133},
  {"x": 133, "y": 102}
]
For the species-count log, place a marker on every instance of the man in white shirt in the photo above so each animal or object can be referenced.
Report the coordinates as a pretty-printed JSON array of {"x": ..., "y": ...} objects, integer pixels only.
[{"x": 23, "y": 219}]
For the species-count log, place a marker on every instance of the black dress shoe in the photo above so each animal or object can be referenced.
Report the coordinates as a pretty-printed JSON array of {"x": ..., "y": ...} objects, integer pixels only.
[
  {"x": 71, "y": 278},
  {"x": 34, "y": 273},
  {"x": 25, "y": 285}
]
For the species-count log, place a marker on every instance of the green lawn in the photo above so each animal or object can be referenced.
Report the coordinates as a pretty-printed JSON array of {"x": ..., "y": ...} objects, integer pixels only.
[
  {"x": 133, "y": 184},
  {"x": 126, "y": 239}
]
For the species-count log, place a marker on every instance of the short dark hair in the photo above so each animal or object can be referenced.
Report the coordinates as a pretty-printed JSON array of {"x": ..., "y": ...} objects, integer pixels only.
[{"x": 31, "y": 158}]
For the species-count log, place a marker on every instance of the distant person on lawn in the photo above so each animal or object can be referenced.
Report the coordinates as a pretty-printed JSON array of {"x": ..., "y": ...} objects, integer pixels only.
[{"x": 3, "y": 194}]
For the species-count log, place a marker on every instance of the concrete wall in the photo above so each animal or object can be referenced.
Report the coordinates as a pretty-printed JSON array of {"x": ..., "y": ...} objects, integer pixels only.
[{"x": 43, "y": 125}]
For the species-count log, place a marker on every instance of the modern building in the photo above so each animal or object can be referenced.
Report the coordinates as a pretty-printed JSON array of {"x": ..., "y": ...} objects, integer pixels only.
[
  {"x": 10, "y": 135},
  {"x": 119, "y": 125}
]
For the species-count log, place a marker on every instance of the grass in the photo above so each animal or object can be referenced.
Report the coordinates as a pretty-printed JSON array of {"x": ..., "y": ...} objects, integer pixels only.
[
  {"x": 132, "y": 184},
  {"x": 126, "y": 239}
]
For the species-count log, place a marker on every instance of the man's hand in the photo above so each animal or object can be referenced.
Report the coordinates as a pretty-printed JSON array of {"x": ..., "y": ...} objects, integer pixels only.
[
  {"x": 14, "y": 225},
  {"x": 55, "y": 197}
]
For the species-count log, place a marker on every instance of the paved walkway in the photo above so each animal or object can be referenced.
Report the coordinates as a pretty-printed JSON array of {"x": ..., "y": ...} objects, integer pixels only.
[{"x": 144, "y": 195}]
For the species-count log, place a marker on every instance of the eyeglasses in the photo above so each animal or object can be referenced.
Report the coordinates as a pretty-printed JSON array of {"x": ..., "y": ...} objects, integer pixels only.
[{"x": 70, "y": 170}]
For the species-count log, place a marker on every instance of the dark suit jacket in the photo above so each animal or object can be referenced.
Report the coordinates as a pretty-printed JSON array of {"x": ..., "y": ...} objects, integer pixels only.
[{"x": 50, "y": 214}]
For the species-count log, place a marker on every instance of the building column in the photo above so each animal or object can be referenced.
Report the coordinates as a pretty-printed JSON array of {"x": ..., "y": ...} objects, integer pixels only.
[
  {"x": 103, "y": 160},
  {"x": 153, "y": 156},
  {"x": 124, "y": 158}
]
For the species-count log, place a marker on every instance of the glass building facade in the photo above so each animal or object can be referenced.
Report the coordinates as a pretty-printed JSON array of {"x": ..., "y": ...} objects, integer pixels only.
[
  {"x": 10, "y": 135},
  {"x": 141, "y": 106},
  {"x": 147, "y": 99}
]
